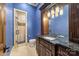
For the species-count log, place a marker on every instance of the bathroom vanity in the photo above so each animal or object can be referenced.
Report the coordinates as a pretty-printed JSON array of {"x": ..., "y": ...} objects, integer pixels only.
[
  {"x": 44, "y": 47},
  {"x": 64, "y": 22},
  {"x": 56, "y": 47}
]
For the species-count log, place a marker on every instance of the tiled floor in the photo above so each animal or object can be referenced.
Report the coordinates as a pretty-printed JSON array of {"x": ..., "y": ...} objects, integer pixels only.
[{"x": 24, "y": 50}]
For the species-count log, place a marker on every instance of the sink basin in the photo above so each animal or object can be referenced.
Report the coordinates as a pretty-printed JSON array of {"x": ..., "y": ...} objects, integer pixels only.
[
  {"x": 61, "y": 36},
  {"x": 50, "y": 38}
]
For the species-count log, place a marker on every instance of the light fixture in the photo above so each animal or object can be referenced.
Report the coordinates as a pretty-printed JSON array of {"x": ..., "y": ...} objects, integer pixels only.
[
  {"x": 52, "y": 16},
  {"x": 61, "y": 11},
  {"x": 48, "y": 13},
  {"x": 44, "y": 19},
  {"x": 56, "y": 11},
  {"x": 52, "y": 13}
]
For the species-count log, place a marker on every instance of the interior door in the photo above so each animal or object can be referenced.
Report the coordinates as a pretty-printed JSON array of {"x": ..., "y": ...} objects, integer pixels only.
[
  {"x": 44, "y": 27},
  {"x": 2, "y": 28},
  {"x": 20, "y": 27},
  {"x": 1, "y": 40}
]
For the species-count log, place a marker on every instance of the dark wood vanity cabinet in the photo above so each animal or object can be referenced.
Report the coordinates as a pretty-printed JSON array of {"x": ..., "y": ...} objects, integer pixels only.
[
  {"x": 65, "y": 51},
  {"x": 48, "y": 52},
  {"x": 74, "y": 22},
  {"x": 45, "y": 48},
  {"x": 42, "y": 50},
  {"x": 38, "y": 47},
  {"x": 62, "y": 51}
]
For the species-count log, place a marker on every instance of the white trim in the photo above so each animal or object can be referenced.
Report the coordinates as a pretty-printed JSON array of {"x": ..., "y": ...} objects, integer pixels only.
[
  {"x": 20, "y": 10},
  {"x": 15, "y": 26}
]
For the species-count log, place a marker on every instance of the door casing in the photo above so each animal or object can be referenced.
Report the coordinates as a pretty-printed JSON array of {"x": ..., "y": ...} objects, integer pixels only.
[{"x": 15, "y": 38}]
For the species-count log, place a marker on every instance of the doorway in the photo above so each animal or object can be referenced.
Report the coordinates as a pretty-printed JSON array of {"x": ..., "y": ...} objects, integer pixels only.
[{"x": 20, "y": 27}]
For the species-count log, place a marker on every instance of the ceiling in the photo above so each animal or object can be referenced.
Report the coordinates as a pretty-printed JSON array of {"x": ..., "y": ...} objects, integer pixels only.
[{"x": 34, "y": 4}]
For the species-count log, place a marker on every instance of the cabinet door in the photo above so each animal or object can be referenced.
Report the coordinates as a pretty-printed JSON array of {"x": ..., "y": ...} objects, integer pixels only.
[
  {"x": 72, "y": 53},
  {"x": 62, "y": 51},
  {"x": 38, "y": 47},
  {"x": 74, "y": 23},
  {"x": 53, "y": 49},
  {"x": 48, "y": 52},
  {"x": 77, "y": 53},
  {"x": 42, "y": 50}
]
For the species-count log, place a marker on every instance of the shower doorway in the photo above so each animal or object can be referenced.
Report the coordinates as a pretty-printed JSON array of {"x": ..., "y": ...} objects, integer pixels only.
[{"x": 20, "y": 27}]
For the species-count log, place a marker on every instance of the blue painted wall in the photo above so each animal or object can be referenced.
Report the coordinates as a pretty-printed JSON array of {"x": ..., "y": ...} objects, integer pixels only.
[
  {"x": 9, "y": 25},
  {"x": 32, "y": 19},
  {"x": 60, "y": 23},
  {"x": 31, "y": 16},
  {"x": 38, "y": 22}
]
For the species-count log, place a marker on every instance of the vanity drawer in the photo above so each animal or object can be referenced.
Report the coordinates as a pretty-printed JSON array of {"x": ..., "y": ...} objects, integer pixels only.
[
  {"x": 62, "y": 51},
  {"x": 52, "y": 47},
  {"x": 72, "y": 53},
  {"x": 46, "y": 44},
  {"x": 48, "y": 52}
]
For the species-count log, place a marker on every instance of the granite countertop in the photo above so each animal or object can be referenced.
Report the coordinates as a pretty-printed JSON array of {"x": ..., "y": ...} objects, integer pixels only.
[{"x": 63, "y": 41}]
